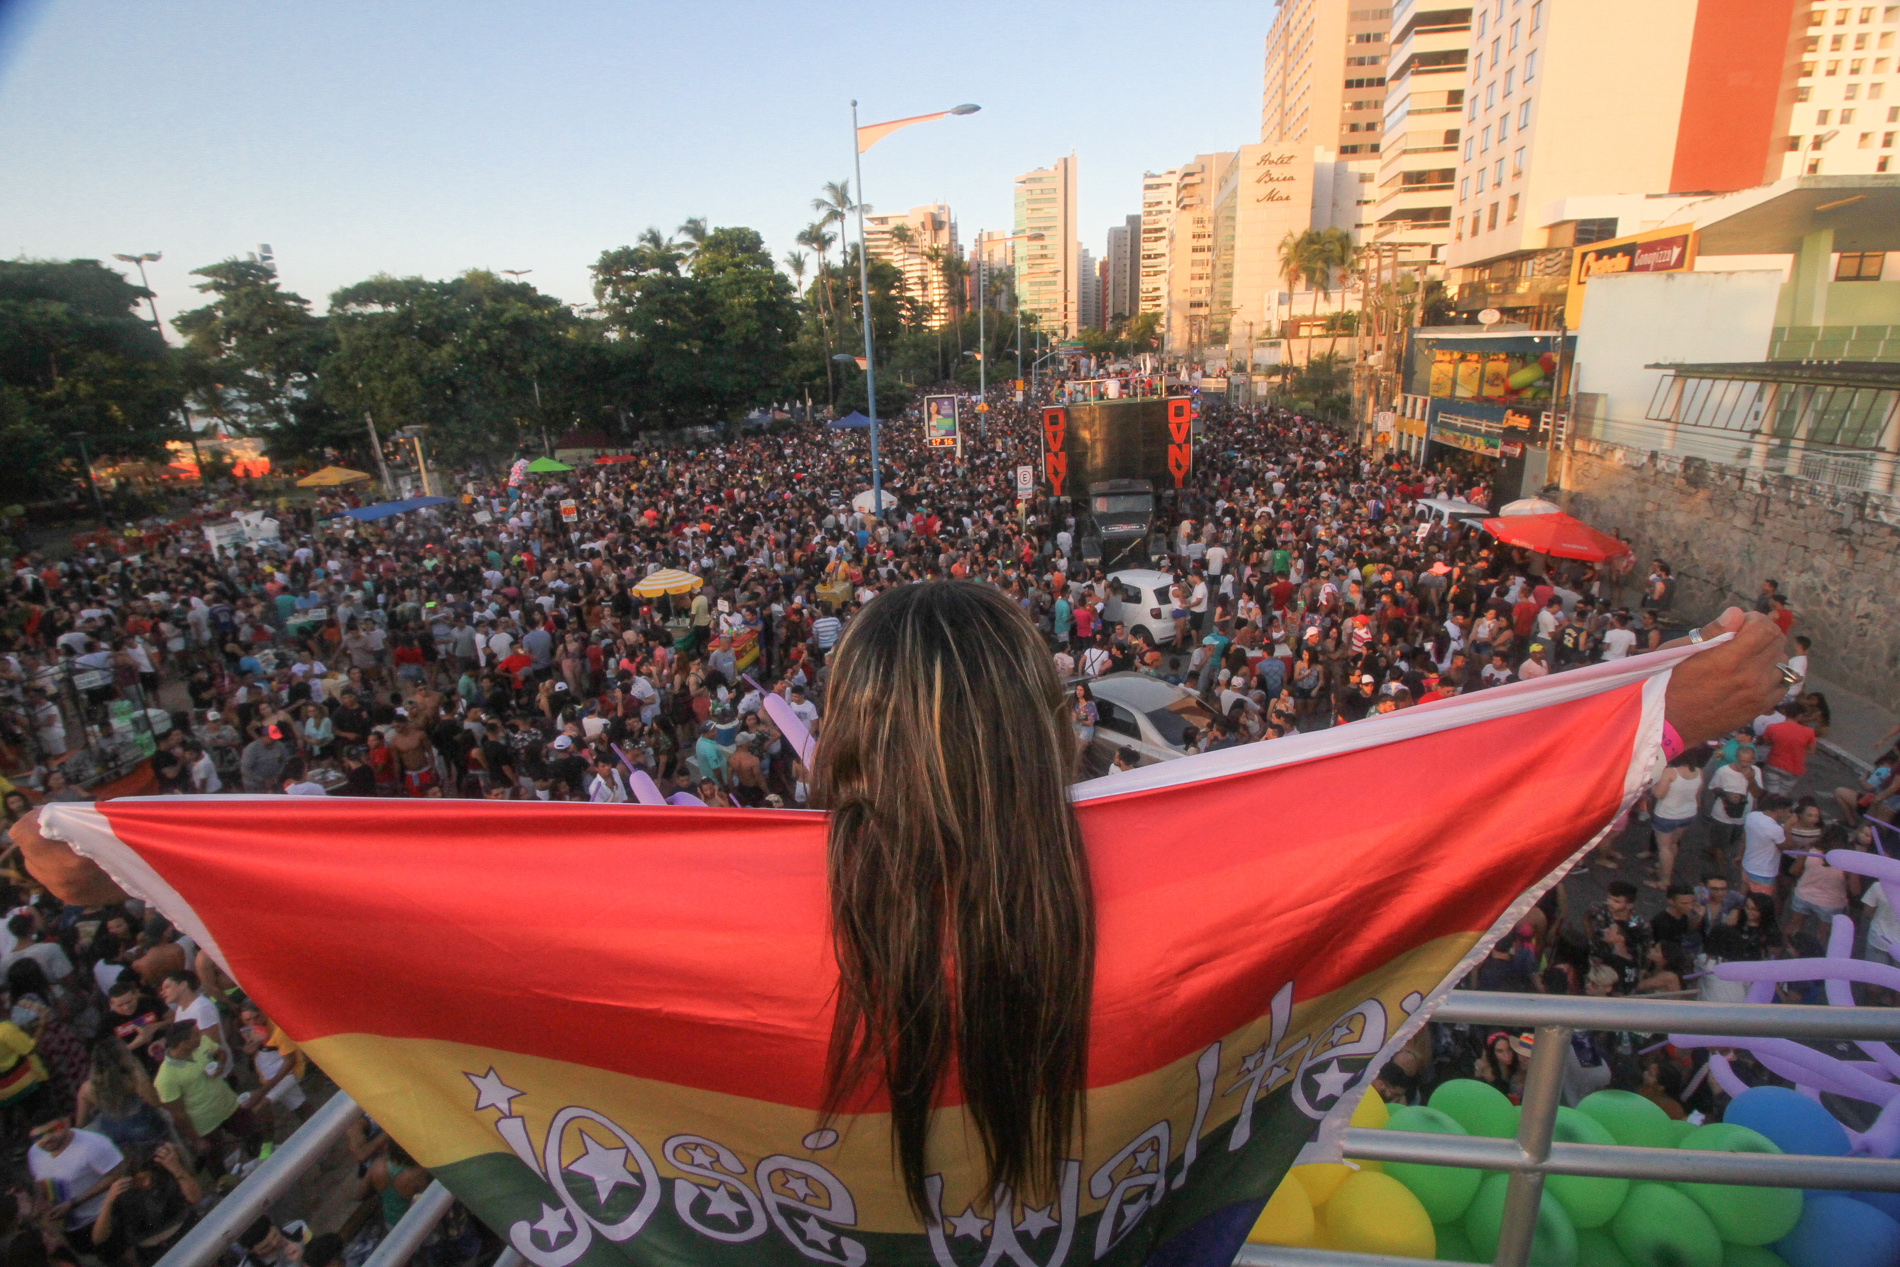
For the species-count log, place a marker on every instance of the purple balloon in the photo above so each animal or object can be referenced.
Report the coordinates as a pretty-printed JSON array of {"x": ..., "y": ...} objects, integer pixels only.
[
  {"x": 645, "y": 790},
  {"x": 1811, "y": 970},
  {"x": 1840, "y": 945},
  {"x": 1882, "y": 1139},
  {"x": 1802, "y": 1064},
  {"x": 791, "y": 726},
  {"x": 685, "y": 799}
]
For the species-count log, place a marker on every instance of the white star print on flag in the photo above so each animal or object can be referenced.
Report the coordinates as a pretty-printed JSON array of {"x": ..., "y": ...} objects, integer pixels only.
[
  {"x": 607, "y": 1167},
  {"x": 1332, "y": 1081},
  {"x": 969, "y": 1223},
  {"x": 1035, "y": 1222},
  {"x": 553, "y": 1223},
  {"x": 492, "y": 1093}
]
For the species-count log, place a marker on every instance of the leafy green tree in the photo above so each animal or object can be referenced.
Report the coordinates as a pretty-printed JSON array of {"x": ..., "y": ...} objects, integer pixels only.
[
  {"x": 76, "y": 358},
  {"x": 252, "y": 360}
]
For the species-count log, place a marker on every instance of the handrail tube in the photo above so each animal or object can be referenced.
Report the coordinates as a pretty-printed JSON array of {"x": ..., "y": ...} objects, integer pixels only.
[
  {"x": 1536, "y": 1125},
  {"x": 204, "y": 1243},
  {"x": 1658, "y": 1016},
  {"x": 401, "y": 1242},
  {"x": 1624, "y": 1161},
  {"x": 1289, "y": 1256}
]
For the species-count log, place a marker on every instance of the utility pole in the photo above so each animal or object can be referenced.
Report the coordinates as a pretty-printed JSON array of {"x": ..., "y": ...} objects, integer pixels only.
[{"x": 376, "y": 447}]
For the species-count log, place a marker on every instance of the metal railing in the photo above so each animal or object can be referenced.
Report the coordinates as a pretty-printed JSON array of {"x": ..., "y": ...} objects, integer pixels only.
[{"x": 1533, "y": 1154}]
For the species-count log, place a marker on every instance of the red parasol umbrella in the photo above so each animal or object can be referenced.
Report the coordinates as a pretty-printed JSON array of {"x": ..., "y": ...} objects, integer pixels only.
[
  {"x": 1558, "y": 535},
  {"x": 608, "y": 459}
]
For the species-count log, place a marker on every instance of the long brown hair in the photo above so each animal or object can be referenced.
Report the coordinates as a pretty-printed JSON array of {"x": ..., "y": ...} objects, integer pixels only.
[{"x": 961, "y": 912}]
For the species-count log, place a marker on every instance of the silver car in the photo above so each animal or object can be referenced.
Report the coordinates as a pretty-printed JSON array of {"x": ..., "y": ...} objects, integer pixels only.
[{"x": 1136, "y": 711}]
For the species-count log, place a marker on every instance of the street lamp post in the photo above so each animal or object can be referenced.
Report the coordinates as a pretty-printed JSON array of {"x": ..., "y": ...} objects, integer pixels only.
[
  {"x": 139, "y": 261},
  {"x": 862, "y": 139}
]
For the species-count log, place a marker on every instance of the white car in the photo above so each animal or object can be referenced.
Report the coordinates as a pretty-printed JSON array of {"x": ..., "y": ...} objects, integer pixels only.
[
  {"x": 1136, "y": 711},
  {"x": 1142, "y": 600}
]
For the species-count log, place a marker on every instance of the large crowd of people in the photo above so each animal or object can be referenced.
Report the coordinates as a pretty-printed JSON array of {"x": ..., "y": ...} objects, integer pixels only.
[{"x": 524, "y": 641}]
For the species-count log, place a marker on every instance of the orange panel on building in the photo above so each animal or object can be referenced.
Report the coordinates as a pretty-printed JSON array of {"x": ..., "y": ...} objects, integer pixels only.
[{"x": 1731, "y": 100}]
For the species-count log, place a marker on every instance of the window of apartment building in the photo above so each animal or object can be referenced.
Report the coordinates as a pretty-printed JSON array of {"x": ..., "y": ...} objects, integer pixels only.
[
  {"x": 1801, "y": 93},
  {"x": 1860, "y": 42},
  {"x": 1514, "y": 27},
  {"x": 1477, "y": 223},
  {"x": 1794, "y": 142},
  {"x": 1893, "y": 114},
  {"x": 1504, "y": 126},
  {"x": 1855, "y": 66},
  {"x": 1814, "y": 167},
  {"x": 1847, "y": 116},
  {"x": 1530, "y": 66},
  {"x": 1818, "y": 141},
  {"x": 1493, "y": 217},
  {"x": 1817, "y": 17},
  {"x": 1886, "y": 140},
  {"x": 1833, "y": 68},
  {"x": 1876, "y": 91},
  {"x": 1497, "y": 173},
  {"x": 1517, "y": 161},
  {"x": 1866, "y": 141},
  {"x": 1867, "y": 14},
  {"x": 1464, "y": 189},
  {"x": 1884, "y": 164},
  {"x": 1860, "y": 266},
  {"x": 1484, "y": 140},
  {"x": 1596, "y": 229},
  {"x": 1510, "y": 76},
  {"x": 1484, "y": 22},
  {"x": 1471, "y": 148},
  {"x": 1852, "y": 92},
  {"x": 1840, "y": 16},
  {"x": 1821, "y": 117},
  {"x": 1837, "y": 43},
  {"x": 1497, "y": 49},
  {"x": 1523, "y": 116},
  {"x": 1490, "y": 94},
  {"x": 1480, "y": 188},
  {"x": 1807, "y": 70},
  {"x": 1537, "y": 15},
  {"x": 1477, "y": 66},
  {"x": 1510, "y": 210},
  {"x": 1472, "y": 116},
  {"x": 1811, "y": 45}
]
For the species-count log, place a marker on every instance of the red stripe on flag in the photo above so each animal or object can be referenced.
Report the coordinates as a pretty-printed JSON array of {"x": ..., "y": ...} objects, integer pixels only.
[{"x": 690, "y": 946}]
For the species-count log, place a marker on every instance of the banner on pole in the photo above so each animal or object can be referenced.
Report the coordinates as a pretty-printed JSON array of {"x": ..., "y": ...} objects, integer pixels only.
[{"x": 940, "y": 423}]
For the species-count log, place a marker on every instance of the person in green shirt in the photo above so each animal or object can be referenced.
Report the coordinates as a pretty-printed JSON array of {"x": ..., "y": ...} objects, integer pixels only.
[{"x": 198, "y": 1100}]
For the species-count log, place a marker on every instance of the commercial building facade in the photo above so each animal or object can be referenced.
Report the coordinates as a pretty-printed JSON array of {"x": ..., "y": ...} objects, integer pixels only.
[
  {"x": 1424, "y": 117},
  {"x": 1121, "y": 286}
]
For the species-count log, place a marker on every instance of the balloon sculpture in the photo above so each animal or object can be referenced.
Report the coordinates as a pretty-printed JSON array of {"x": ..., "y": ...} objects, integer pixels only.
[{"x": 1453, "y": 1214}]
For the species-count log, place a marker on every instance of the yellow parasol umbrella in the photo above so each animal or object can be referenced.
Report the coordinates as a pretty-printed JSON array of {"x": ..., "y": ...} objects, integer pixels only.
[
  {"x": 667, "y": 581},
  {"x": 332, "y": 476}
]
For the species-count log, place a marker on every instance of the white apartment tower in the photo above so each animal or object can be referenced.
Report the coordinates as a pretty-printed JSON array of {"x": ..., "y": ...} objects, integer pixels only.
[
  {"x": 928, "y": 231},
  {"x": 1048, "y": 270}
]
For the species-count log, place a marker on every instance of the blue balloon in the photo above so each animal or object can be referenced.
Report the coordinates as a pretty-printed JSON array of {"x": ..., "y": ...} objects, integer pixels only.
[
  {"x": 1838, "y": 1232},
  {"x": 1795, "y": 1123},
  {"x": 1887, "y": 1203}
]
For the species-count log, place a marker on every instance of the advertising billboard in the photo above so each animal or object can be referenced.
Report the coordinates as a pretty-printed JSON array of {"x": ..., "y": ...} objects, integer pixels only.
[
  {"x": 1149, "y": 439},
  {"x": 940, "y": 423},
  {"x": 1668, "y": 250}
]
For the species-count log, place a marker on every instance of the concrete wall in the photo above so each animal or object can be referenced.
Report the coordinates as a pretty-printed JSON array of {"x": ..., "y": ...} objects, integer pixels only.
[
  {"x": 1637, "y": 319},
  {"x": 1725, "y": 529}
]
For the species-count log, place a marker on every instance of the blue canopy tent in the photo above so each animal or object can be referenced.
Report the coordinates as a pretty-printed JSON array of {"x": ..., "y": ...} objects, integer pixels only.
[
  {"x": 851, "y": 421},
  {"x": 383, "y": 510}
]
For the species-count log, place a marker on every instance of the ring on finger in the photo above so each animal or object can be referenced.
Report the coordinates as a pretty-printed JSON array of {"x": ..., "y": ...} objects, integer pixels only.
[
  {"x": 1788, "y": 675},
  {"x": 1695, "y": 636}
]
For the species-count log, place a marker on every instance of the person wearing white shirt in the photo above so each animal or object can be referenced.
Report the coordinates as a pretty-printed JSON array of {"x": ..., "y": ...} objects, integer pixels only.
[
  {"x": 77, "y": 1168},
  {"x": 1618, "y": 640},
  {"x": 1798, "y": 665},
  {"x": 204, "y": 772},
  {"x": 1763, "y": 836},
  {"x": 1883, "y": 927}
]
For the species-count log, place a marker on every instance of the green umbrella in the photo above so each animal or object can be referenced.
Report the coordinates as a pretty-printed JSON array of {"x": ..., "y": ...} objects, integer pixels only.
[{"x": 544, "y": 466}]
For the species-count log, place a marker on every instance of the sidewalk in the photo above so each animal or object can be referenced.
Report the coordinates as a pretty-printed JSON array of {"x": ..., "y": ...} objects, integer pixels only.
[{"x": 1858, "y": 724}]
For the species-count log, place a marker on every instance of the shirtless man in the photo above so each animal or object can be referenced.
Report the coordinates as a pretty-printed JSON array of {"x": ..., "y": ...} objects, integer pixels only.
[
  {"x": 748, "y": 776},
  {"x": 415, "y": 755}
]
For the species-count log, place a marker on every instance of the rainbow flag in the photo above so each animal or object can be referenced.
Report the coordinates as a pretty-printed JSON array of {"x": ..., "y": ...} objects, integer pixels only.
[{"x": 604, "y": 1027}]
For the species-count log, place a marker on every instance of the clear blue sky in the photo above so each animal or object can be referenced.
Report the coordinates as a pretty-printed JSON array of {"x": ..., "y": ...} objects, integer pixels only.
[{"x": 424, "y": 137}]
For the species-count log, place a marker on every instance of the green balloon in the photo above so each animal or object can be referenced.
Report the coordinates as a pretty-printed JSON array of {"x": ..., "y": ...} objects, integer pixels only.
[
  {"x": 1659, "y": 1227},
  {"x": 1553, "y": 1244},
  {"x": 1745, "y": 1216},
  {"x": 1630, "y": 1118},
  {"x": 1597, "y": 1248},
  {"x": 1479, "y": 1107},
  {"x": 1453, "y": 1245},
  {"x": 1680, "y": 1130},
  {"x": 1751, "y": 1256},
  {"x": 1588, "y": 1202},
  {"x": 1444, "y": 1191}
]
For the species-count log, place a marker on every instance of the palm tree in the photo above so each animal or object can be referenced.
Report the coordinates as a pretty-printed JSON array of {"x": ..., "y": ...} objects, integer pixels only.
[
  {"x": 693, "y": 235},
  {"x": 903, "y": 239},
  {"x": 820, "y": 242},
  {"x": 795, "y": 265}
]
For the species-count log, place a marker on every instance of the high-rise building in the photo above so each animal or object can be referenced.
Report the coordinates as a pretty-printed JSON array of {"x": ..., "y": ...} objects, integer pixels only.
[
  {"x": 1567, "y": 128},
  {"x": 1424, "y": 111},
  {"x": 1325, "y": 76},
  {"x": 928, "y": 230},
  {"x": 1191, "y": 252},
  {"x": 1088, "y": 290},
  {"x": 1048, "y": 281},
  {"x": 1266, "y": 193},
  {"x": 993, "y": 257},
  {"x": 1152, "y": 249},
  {"x": 1121, "y": 285}
]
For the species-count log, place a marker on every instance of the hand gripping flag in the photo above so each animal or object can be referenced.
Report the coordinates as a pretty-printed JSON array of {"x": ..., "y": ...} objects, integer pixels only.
[{"x": 604, "y": 1027}]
